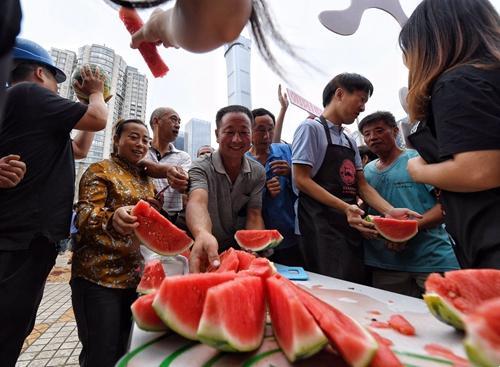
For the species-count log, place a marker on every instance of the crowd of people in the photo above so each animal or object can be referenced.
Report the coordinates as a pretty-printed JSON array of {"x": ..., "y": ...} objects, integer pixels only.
[{"x": 315, "y": 191}]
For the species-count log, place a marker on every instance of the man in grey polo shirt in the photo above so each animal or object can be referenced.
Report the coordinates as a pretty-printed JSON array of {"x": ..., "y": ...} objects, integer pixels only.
[
  {"x": 167, "y": 164},
  {"x": 225, "y": 192}
]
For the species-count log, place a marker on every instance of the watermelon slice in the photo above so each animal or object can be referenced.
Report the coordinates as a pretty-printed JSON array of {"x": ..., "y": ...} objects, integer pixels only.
[
  {"x": 258, "y": 239},
  {"x": 133, "y": 23},
  {"x": 245, "y": 259},
  {"x": 234, "y": 315},
  {"x": 350, "y": 339},
  {"x": 459, "y": 292},
  {"x": 157, "y": 233},
  {"x": 152, "y": 277},
  {"x": 229, "y": 261},
  {"x": 394, "y": 230},
  {"x": 401, "y": 325},
  {"x": 260, "y": 267},
  {"x": 384, "y": 357},
  {"x": 180, "y": 299},
  {"x": 145, "y": 316},
  {"x": 482, "y": 343},
  {"x": 294, "y": 328}
]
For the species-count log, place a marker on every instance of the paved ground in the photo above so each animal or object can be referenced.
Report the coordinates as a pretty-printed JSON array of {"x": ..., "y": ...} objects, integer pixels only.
[{"x": 54, "y": 340}]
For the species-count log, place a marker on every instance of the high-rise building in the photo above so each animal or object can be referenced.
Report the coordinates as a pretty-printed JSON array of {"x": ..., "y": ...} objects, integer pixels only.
[
  {"x": 237, "y": 55},
  {"x": 179, "y": 142},
  {"x": 66, "y": 61},
  {"x": 196, "y": 133},
  {"x": 128, "y": 87}
]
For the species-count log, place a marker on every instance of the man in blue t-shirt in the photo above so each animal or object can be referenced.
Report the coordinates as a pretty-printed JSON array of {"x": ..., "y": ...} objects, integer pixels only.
[
  {"x": 403, "y": 267},
  {"x": 278, "y": 198}
]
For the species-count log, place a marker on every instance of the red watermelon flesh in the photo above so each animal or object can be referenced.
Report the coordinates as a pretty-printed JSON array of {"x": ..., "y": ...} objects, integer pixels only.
[
  {"x": 152, "y": 277},
  {"x": 145, "y": 316},
  {"x": 401, "y": 325},
  {"x": 234, "y": 315},
  {"x": 157, "y": 232},
  {"x": 260, "y": 267},
  {"x": 483, "y": 334},
  {"x": 465, "y": 289},
  {"x": 229, "y": 261},
  {"x": 459, "y": 292},
  {"x": 349, "y": 338},
  {"x": 245, "y": 259},
  {"x": 384, "y": 357},
  {"x": 148, "y": 50},
  {"x": 258, "y": 239},
  {"x": 180, "y": 299},
  {"x": 295, "y": 329},
  {"x": 395, "y": 230}
]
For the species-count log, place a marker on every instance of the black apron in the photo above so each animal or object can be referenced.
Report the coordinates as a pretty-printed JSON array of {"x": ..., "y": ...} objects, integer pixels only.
[{"x": 330, "y": 246}]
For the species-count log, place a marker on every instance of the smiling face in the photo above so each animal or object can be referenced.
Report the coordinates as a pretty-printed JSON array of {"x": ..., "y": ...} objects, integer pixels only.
[
  {"x": 234, "y": 135},
  {"x": 263, "y": 131},
  {"x": 380, "y": 137},
  {"x": 132, "y": 144}
]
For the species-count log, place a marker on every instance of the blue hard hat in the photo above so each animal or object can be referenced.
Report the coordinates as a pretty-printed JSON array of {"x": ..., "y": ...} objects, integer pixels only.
[{"x": 30, "y": 51}]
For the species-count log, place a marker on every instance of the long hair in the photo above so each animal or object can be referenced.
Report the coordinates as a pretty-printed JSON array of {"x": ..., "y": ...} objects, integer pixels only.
[{"x": 441, "y": 35}]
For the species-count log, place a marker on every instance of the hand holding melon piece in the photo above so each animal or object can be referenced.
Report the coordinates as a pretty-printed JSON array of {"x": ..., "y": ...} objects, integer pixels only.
[
  {"x": 157, "y": 233},
  {"x": 394, "y": 230}
]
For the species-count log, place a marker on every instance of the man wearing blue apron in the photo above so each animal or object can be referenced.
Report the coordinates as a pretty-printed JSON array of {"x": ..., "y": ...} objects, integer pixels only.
[{"x": 328, "y": 175}]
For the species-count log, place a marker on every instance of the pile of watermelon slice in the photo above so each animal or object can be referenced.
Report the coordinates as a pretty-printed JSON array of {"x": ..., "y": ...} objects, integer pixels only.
[
  {"x": 226, "y": 309},
  {"x": 469, "y": 300}
]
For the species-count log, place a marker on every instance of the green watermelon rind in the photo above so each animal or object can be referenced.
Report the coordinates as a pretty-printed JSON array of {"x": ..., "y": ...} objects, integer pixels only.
[
  {"x": 172, "y": 322},
  {"x": 479, "y": 349},
  {"x": 306, "y": 345},
  {"x": 269, "y": 245},
  {"x": 475, "y": 356},
  {"x": 212, "y": 333},
  {"x": 106, "y": 87},
  {"x": 369, "y": 218},
  {"x": 142, "y": 209},
  {"x": 444, "y": 311},
  {"x": 143, "y": 325}
]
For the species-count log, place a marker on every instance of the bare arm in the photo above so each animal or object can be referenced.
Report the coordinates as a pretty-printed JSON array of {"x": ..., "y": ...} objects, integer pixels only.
[
  {"x": 204, "y": 250},
  {"x": 254, "y": 219},
  {"x": 283, "y": 98},
  {"x": 81, "y": 144},
  {"x": 466, "y": 172},
  {"x": 371, "y": 196},
  {"x": 431, "y": 218},
  {"x": 196, "y": 25}
]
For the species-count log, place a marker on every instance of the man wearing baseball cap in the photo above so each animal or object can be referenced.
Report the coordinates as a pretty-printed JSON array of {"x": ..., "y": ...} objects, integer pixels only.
[{"x": 36, "y": 213}]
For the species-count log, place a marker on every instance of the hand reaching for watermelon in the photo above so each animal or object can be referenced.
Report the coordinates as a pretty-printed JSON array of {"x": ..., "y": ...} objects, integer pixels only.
[
  {"x": 203, "y": 253},
  {"x": 92, "y": 83},
  {"x": 354, "y": 218},
  {"x": 123, "y": 222},
  {"x": 402, "y": 213}
]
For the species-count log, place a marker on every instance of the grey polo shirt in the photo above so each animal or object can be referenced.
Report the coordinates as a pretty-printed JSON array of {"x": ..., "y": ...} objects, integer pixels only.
[{"x": 227, "y": 202}]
